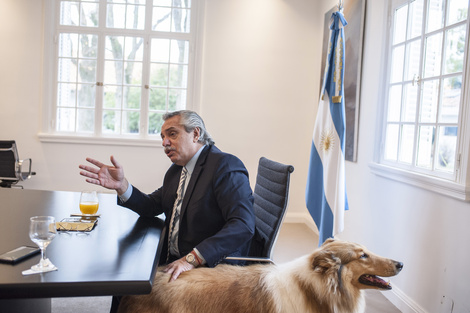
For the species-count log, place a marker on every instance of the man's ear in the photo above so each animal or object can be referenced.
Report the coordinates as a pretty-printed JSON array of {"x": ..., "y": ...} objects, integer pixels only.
[{"x": 197, "y": 134}]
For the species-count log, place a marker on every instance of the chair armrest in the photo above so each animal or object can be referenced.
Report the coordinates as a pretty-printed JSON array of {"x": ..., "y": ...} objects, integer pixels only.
[
  {"x": 24, "y": 175},
  {"x": 250, "y": 259}
]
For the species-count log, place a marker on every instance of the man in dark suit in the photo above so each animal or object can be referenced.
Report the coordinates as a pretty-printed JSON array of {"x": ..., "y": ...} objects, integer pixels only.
[{"x": 206, "y": 196}]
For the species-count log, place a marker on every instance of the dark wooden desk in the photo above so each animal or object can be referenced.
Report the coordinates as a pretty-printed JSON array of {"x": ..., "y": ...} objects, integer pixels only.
[{"x": 118, "y": 257}]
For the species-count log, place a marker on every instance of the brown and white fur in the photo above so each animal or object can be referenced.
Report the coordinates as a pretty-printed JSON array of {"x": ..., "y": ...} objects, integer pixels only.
[{"x": 329, "y": 280}]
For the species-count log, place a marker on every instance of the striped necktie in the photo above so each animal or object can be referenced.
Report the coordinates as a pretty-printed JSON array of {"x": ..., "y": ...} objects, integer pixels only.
[{"x": 174, "y": 230}]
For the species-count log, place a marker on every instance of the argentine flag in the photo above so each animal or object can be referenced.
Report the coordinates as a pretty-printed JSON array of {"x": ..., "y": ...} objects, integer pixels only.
[{"x": 326, "y": 191}]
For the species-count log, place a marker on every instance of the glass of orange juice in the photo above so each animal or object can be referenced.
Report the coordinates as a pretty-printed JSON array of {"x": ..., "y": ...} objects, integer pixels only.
[{"x": 89, "y": 202}]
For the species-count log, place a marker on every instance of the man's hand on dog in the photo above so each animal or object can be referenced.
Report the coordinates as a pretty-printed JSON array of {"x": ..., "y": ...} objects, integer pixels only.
[{"x": 177, "y": 267}]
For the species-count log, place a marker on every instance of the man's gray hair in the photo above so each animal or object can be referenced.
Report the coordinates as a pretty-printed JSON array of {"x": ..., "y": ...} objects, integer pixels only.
[{"x": 191, "y": 120}]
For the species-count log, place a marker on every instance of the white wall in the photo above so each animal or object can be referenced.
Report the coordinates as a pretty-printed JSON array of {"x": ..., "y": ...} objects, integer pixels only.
[{"x": 260, "y": 77}]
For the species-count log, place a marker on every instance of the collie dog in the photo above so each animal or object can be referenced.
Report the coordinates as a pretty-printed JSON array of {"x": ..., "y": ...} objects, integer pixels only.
[{"x": 330, "y": 280}]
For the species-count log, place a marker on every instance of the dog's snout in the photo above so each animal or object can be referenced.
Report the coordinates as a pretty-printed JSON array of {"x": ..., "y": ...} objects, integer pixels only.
[{"x": 398, "y": 265}]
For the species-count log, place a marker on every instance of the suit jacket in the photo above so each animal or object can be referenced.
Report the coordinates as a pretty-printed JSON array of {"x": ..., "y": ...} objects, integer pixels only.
[{"x": 217, "y": 214}]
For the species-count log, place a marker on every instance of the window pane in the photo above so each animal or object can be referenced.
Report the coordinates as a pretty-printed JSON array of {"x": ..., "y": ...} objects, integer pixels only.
[
  {"x": 68, "y": 45},
  {"x": 166, "y": 3},
  {"x": 133, "y": 73},
  {"x": 447, "y": 141},
  {"x": 416, "y": 18},
  {"x": 135, "y": 17},
  {"x": 429, "y": 101},
  {"x": 451, "y": 90},
  {"x": 134, "y": 49},
  {"x": 409, "y": 103},
  {"x": 425, "y": 146},
  {"x": 398, "y": 56},
  {"x": 109, "y": 97},
  {"x": 88, "y": 46},
  {"x": 114, "y": 48},
  {"x": 157, "y": 100},
  {"x": 181, "y": 20},
  {"x": 412, "y": 61},
  {"x": 394, "y": 104},
  {"x": 86, "y": 96},
  {"x": 175, "y": 17},
  {"x": 179, "y": 51},
  {"x": 161, "y": 20},
  {"x": 131, "y": 122},
  {"x": 455, "y": 49},
  {"x": 66, "y": 119},
  {"x": 159, "y": 75},
  {"x": 391, "y": 142},
  {"x": 176, "y": 99},
  {"x": 436, "y": 9},
  {"x": 116, "y": 16},
  {"x": 458, "y": 10},
  {"x": 432, "y": 61},
  {"x": 85, "y": 120},
  {"x": 67, "y": 70},
  {"x": 69, "y": 13},
  {"x": 132, "y": 97},
  {"x": 160, "y": 50},
  {"x": 399, "y": 31},
  {"x": 406, "y": 144},
  {"x": 178, "y": 76},
  {"x": 155, "y": 123},
  {"x": 178, "y": 3},
  {"x": 66, "y": 95},
  {"x": 111, "y": 122},
  {"x": 89, "y": 14},
  {"x": 113, "y": 71},
  {"x": 87, "y": 70}
]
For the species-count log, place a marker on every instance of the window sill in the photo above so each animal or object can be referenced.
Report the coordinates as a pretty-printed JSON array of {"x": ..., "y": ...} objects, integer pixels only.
[
  {"x": 434, "y": 184},
  {"x": 113, "y": 141}
]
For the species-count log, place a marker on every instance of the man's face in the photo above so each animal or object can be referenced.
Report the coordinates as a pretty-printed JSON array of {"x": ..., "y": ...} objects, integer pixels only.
[{"x": 179, "y": 145}]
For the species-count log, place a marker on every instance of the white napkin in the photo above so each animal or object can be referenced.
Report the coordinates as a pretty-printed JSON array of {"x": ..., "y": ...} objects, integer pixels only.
[{"x": 30, "y": 271}]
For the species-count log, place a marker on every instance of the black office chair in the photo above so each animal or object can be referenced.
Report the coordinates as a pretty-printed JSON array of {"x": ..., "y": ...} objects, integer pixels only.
[
  {"x": 271, "y": 198},
  {"x": 11, "y": 167}
]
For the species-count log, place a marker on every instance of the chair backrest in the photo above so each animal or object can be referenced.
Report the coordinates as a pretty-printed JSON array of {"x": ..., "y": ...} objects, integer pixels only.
[
  {"x": 8, "y": 159},
  {"x": 271, "y": 198}
]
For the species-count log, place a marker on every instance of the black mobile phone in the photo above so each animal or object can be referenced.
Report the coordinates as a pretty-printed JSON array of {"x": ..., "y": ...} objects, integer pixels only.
[{"x": 19, "y": 254}]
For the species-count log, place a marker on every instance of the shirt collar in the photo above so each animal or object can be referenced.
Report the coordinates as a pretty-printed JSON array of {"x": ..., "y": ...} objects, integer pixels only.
[{"x": 192, "y": 163}]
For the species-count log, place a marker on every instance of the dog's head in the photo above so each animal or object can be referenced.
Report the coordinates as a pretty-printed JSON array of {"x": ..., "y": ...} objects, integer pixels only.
[{"x": 345, "y": 264}]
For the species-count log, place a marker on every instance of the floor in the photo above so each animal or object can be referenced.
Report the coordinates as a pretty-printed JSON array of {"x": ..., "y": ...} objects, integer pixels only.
[{"x": 294, "y": 241}]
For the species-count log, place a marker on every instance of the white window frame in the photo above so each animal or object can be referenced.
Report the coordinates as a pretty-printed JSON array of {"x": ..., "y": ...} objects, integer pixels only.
[
  {"x": 456, "y": 186},
  {"x": 48, "y": 131}
]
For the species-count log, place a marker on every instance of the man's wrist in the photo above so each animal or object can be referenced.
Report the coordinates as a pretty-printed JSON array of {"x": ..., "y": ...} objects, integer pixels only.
[
  {"x": 123, "y": 188},
  {"x": 124, "y": 194},
  {"x": 193, "y": 258}
]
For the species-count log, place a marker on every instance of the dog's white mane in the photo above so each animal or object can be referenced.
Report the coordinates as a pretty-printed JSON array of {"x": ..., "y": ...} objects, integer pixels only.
[{"x": 286, "y": 280}]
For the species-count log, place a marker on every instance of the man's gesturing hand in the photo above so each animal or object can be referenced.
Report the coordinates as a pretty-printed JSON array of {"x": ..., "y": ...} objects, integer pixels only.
[{"x": 111, "y": 177}]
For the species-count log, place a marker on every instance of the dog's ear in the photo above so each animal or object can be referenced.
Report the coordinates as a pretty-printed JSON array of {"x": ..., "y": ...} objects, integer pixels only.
[
  {"x": 329, "y": 240},
  {"x": 324, "y": 261}
]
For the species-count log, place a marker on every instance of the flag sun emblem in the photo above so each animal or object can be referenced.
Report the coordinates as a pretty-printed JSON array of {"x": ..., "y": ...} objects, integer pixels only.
[{"x": 327, "y": 140}]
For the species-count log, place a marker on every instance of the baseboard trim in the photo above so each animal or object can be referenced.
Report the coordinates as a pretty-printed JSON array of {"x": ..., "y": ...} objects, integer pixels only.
[
  {"x": 304, "y": 218},
  {"x": 397, "y": 297},
  {"x": 404, "y": 303}
]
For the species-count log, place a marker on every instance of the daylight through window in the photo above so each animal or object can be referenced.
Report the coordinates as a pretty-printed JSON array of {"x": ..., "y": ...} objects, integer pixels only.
[
  {"x": 425, "y": 86},
  {"x": 121, "y": 64}
]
